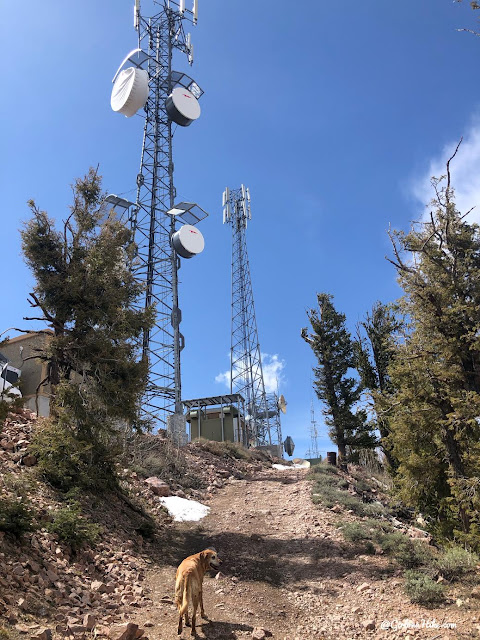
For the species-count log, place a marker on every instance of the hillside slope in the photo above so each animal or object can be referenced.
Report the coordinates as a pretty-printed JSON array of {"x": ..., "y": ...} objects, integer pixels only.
[{"x": 287, "y": 569}]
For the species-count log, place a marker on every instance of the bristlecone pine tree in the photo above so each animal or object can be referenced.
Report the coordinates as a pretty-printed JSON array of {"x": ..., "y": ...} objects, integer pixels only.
[
  {"x": 85, "y": 291},
  {"x": 374, "y": 350},
  {"x": 435, "y": 409},
  {"x": 339, "y": 391}
]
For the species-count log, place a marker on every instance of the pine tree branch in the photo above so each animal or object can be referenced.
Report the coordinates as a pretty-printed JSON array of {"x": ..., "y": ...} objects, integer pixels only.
[
  {"x": 48, "y": 317},
  {"x": 400, "y": 265},
  {"x": 447, "y": 192},
  {"x": 475, "y": 33},
  {"x": 39, "y": 332}
]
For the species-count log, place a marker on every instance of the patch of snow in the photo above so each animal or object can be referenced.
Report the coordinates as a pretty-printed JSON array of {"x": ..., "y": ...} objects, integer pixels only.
[
  {"x": 284, "y": 467},
  {"x": 184, "y": 510}
]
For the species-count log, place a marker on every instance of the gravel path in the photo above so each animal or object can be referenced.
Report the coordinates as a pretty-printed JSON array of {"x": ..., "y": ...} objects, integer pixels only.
[{"x": 287, "y": 570}]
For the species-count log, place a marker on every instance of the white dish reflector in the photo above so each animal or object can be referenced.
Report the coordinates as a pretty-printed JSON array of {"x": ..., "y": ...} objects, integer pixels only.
[
  {"x": 130, "y": 91},
  {"x": 188, "y": 241},
  {"x": 182, "y": 106}
]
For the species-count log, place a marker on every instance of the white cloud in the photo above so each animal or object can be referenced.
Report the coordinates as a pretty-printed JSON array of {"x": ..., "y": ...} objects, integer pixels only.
[
  {"x": 224, "y": 377},
  {"x": 272, "y": 371},
  {"x": 272, "y": 367},
  {"x": 464, "y": 170}
]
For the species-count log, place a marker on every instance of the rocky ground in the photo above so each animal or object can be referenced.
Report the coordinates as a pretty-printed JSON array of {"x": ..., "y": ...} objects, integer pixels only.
[{"x": 287, "y": 573}]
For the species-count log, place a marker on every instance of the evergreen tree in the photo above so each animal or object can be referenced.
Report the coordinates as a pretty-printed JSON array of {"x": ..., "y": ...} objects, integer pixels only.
[
  {"x": 86, "y": 292},
  {"x": 374, "y": 349},
  {"x": 340, "y": 392},
  {"x": 435, "y": 410}
]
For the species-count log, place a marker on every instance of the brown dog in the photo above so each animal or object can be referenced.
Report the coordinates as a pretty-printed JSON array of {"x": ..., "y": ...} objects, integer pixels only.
[{"x": 188, "y": 584}]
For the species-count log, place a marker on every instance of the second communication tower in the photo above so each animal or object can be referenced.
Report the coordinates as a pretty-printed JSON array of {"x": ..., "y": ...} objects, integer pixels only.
[{"x": 246, "y": 373}]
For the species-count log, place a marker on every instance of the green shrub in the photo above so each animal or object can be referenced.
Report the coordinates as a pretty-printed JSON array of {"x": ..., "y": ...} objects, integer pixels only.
[
  {"x": 407, "y": 552},
  {"x": 326, "y": 480},
  {"x": 20, "y": 485},
  {"x": 67, "y": 461},
  {"x": 422, "y": 589},
  {"x": 373, "y": 509},
  {"x": 369, "y": 548},
  {"x": 455, "y": 562},
  {"x": 354, "y": 531},
  {"x": 326, "y": 495},
  {"x": 361, "y": 486},
  {"x": 323, "y": 468},
  {"x": 168, "y": 464},
  {"x": 327, "y": 491},
  {"x": 228, "y": 449},
  {"x": 15, "y": 517},
  {"x": 380, "y": 527},
  {"x": 71, "y": 527}
]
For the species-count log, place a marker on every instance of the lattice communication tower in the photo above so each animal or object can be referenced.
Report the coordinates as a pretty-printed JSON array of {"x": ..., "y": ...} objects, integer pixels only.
[
  {"x": 168, "y": 97},
  {"x": 313, "y": 452},
  {"x": 246, "y": 374}
]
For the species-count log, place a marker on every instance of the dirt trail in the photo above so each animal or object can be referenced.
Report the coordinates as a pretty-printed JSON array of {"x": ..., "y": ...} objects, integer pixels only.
[{"x": 286, "y": 569}]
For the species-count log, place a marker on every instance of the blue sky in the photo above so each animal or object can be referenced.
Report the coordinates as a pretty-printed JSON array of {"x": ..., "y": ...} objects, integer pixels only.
[{"x": 334, "y": 114}]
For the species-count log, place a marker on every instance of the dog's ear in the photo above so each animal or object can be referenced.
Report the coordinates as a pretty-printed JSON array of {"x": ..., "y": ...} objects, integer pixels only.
[{"x": 204, "y": 555}]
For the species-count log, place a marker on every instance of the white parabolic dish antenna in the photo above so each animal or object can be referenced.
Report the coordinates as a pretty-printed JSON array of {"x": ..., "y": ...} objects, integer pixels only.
[
  {"x": 182, "y": 106},
  {"x": 188, "y": 241},
  {"x": 130, "y": 91}
]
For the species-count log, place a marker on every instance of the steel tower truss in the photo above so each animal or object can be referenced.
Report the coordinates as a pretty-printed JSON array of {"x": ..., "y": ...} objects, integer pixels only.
[
  {"x": 157, "y": 263},
  {"x": 246, "y": 374},
  {"x": 313, "y": 452}
]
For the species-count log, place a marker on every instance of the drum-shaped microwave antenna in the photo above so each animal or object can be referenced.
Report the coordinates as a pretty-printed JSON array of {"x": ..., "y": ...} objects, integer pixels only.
[
  {"x": 182, "y": 106},
  {"x": 188, "y": 241},
  {"x": 130, "y": 91},
  {"x": 289, "y": 445}
]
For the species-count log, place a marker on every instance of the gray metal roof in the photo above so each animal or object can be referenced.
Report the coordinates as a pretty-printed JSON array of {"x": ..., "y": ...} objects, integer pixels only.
[{"x": 213, "y": 400}]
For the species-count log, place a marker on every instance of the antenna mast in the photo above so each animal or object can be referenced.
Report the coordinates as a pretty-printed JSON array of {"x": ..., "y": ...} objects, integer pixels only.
[
  {"x": 246, "y": 374},
  {"x": 313, "y": 452},
  {"x": 172, "y": 98}
]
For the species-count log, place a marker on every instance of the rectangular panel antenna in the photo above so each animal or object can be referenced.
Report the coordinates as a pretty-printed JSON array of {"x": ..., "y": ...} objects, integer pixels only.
[
  {"x": 195, "y": 11},
  {"x": 181, "y": 7},
  {"x": 136, "y": 15},
  {"x": 190, "y": 54}
]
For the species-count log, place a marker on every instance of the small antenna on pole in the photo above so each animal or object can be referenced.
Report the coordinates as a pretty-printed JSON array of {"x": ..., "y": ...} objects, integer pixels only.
[
  {"x": 136, "y": 15},
  {"x": 195, "y": 11}
]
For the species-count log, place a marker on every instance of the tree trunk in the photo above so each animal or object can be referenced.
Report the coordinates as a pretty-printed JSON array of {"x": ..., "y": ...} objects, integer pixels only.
[{"x": 342, "y": 452}]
